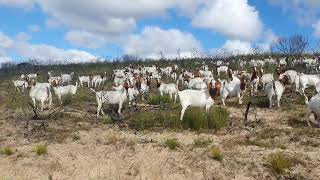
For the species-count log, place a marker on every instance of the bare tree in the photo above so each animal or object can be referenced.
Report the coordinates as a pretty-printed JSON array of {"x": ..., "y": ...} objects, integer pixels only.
[
  {"x": 316, "y": 49},
  {"x": 295, "y": 44}
]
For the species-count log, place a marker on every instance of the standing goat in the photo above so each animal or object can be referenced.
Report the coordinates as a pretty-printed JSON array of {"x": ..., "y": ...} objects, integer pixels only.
[
  {"x": 18, "y": 84},
  {"x": 110, "y": 97},
  {"x": 276, "y": 88},
  {"x": 66, "y": 78},
  {"x": 235, "y": 87},
  {"x": 195, "y": 98},
  {"x": 61, "y": 91},
  {"x": 41, "y": 94},
  {"x": 170, "y": 89},
  {"x": 85, "y": 79},
  {"x": 307, "y": 80},
  {"x": 313, "y": 107}
]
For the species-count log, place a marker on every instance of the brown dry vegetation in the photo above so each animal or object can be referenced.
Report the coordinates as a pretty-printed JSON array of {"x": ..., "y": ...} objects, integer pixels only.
[{"x": 79, "y": 146}]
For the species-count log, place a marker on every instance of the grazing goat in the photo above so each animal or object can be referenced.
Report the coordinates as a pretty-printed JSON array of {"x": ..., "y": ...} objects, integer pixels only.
[
  {"x": 307, "y": 80},
  {"x": 197, "y": 83},
  {"x": 110, "y": 97},
  {"x": 41, "y": 94},
  {"x": 265, "y": 79},
  {"x": 276, "y": 88},
  {"x": 61, "y": 91},
  {"x": 195, "y": 98},
  {"x": 18, "y": 84},
  {"x": 170, "y": 89},
  {"x": 313, "y": 107},
  {"x": 222, "y": 69},
  {"x": 293, "y": 76},
  {"x": 66, "y": 78}
]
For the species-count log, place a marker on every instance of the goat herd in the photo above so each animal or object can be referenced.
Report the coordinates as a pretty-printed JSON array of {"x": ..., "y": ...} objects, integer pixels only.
[{"x": 202, "y": 87}]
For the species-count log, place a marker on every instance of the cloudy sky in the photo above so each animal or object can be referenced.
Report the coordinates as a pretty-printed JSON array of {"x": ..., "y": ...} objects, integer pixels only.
[{"x": 79, "y": 31}]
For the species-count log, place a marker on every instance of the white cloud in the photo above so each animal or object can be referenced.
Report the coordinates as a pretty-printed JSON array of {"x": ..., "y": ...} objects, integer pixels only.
[
  {"x": 306, "y": 12},
  {"x": 50, "y": 54},
  {"x": 269, "y": 38},
  {"x": 85, "y": 39},
  {"x": 236, "y": 47},
  {"x": 5, "y": 41},
  {"x": 316, "y": 28},
  {"x": 235, "y": 19},
  {"x": 34, "y": 28},
  {"x": 154, "y": 40},
  {"x": 22, "y": 36},
  {"x": 42, "y": 52},
  {"x": 27, "y": 4}
]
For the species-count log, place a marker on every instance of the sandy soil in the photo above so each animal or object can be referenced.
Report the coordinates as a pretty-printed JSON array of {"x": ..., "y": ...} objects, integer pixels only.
[{"x": 85, "y": 149}]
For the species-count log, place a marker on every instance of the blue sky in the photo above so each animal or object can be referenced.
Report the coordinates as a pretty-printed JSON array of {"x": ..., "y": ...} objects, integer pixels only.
[{"x": 75, "y": 31}]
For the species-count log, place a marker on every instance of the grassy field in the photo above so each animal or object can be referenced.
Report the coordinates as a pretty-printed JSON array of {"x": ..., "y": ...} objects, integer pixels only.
[{"x": 69, "y": 142}]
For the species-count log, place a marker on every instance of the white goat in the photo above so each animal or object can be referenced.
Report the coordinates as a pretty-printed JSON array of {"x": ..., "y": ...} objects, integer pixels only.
[
  {"x": 313, "y": 107},
  {"x": 222, "y": 69},
  {"x": 18, "y": 84},
  {"x": 195, "y": 98},
  {"x": 293, "y": 76},
  {"x": 66, "y": 78},
  {"x": 276, "y": 88},
  {"x": 61, "y": 91},
  {"x": 32, "y": 76},
  {"x": 174, "y": 76},
  {"x": 41, "y": 94},
  {"x": 84, "y": 79},
  {"x": 170, "y": 89},
  {"x": 265, "y": 79},
  {"x": 110, "y": 97},
  {"x": 236, "y": 87},
  {"x": 307, "y": 80}
]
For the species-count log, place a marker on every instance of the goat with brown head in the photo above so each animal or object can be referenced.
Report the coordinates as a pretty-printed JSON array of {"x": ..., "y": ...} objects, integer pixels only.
[
  {"x": 214, "y": 89},
  {"x": 254, "y": 74},
  {"x": 243, "y": 83}
]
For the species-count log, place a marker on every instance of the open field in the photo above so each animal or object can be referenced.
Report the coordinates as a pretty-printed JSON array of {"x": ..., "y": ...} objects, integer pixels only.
[{"x": 150, "y": 142}]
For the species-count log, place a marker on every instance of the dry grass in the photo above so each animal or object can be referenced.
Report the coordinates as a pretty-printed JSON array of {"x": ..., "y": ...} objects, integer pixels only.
[
  {"x": 7, "y": 151},
  {"x": 40, "y": 149},
  {"x": 216, "y": 154}
]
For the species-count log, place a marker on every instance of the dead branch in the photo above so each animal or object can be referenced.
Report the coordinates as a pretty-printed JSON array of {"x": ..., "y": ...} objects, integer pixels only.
[{"x": 246, "y": 113}]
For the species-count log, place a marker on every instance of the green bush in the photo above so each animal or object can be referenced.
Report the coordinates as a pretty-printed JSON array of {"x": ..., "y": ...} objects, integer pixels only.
[
  {"x": 107, "y": 120},
  {"x": 40, "y": 149},
  {"x": 172, "y": 144},
  {"x": 149, "y": 120},
  {"x": 218, "y": 117},
  {"x": 216, "y": 154},
  {"x": 279, "y": 162},
  {"x": 7, "y": 151},
  {"x": 195, "y": 119},
  {"x": 158, "y": 100},
  {"x": 67, "y": 100}
]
